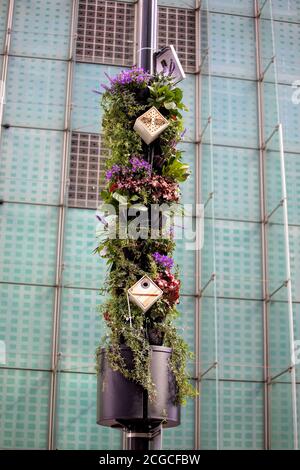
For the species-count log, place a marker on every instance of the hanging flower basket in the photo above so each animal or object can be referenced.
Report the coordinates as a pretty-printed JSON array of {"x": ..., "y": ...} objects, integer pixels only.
[
  {"x": 142, "y": 370},
  {"x": 123, "y": 403}
]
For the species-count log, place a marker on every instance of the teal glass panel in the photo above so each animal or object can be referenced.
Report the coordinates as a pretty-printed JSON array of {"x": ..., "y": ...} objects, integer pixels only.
[
  {"x": 238, "y": 259},
  {"x": 177, "y": 3},
  {"x": 87, "y": 113},
  {"x": 208, "y": 413},
  {"x": 230, "y": 6},
  {"x": 296, "y": 313},
  {"x": 41, "y": 28},
  {"x": 281, "y": 415},
  {"x": 279, "y": 339},
  {"x": 82, "y": 267},
  {"x": 30, "y": 165},
  {"x": 3, "y": 18},
  {"x": 181, "y": 437},
  {"x": 240, "y": 347},
  {"x": 232, "y": 46},
  {"x": 81, "y": 329},
  {"x": 76, "y": 416},
  {"x": 24, "y": 409},
  {"x": 294, "y": 239},
  {"x": 208, "y": 307},
  {"x": 290, "y": 117},
  {"x": 188, "y": 187},
  {"x": 26, "y": 325},
  {"x": 287, "y": 37},
  {"x": 35, "y": 93},
  {"x": 185, "y": 324},
  {"x": 276, "y": 261},
  {"x": 28, "y": 243},
  {"x": 188, "y": 86},
  {"x": 234, "y": 111},
  {"x": 184, "y": 255},
  {"x": 282, "y": 10},
  {"x": 236, "y": 182},
  {"x": 241, "y": 415}
]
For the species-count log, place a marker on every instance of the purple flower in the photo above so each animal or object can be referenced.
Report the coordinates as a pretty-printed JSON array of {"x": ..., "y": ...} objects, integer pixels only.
[
  {"x": 163, "y": 260},
  {"x": 136, "y": 76},
  {"x": 139, "y": 164},
  {"x": 113, "y": 171}
]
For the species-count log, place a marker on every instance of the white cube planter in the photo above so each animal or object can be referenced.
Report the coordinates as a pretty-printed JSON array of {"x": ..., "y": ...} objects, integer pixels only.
[
  {"x": 145, "y": 293},
  {"x": 150, "y": 125}
]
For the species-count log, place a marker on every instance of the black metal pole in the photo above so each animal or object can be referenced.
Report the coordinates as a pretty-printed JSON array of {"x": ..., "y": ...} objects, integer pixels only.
[
  {"x": 148, "y": 22},
  {"x": 143, "y": 439}
]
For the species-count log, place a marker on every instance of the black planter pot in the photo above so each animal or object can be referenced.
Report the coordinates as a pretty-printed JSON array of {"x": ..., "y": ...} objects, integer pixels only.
[{"x": 122, "y": 403}]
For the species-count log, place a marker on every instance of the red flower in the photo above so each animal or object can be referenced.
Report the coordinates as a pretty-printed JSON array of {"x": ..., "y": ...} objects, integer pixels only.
[
  {"x": 169, "y": 285},
  {"x": 106, "y": 317},
  {"x": 113, "y": 187}
]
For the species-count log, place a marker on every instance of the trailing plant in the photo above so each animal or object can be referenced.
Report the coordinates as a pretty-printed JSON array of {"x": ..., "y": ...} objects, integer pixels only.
[{"x": 136, "y": 178}]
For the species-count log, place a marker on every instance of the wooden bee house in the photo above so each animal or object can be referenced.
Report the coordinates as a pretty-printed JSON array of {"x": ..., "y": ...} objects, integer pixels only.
[
  {"x": 150, "y": 125},
  {"x": 144, "y": 293}
]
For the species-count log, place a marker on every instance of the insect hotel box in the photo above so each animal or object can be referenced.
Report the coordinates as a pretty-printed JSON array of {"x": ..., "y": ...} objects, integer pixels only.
[
  {"x": 144, "y": 293},
  {"x": 150, "y": 125}
]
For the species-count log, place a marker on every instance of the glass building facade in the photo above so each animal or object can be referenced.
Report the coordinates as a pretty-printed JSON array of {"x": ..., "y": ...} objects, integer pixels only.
[{"x": 240, "y": 294}]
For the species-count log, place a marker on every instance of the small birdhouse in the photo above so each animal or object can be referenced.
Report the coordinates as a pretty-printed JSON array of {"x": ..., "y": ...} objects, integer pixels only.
[
  {"x": 145, "y": 293},
  {"x": 167, "y": 61},
  {"x": 150, "y": 125}
]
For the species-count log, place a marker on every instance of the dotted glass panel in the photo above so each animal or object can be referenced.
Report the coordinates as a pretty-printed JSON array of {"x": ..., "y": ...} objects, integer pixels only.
[
  {"x": 274, "y": 186},
  {"x": 238, "y": 259},
  {"x": 281, "y": 416},
  {"x": 287, "y": 37},
  {"x": 188, "y": 86},
  {"x": 86, "y": 172},
  {"x": 41, "y": 28},
  {"x": 24, "y": 409},
  {"x": 3, "y": 18},
  {"x": 296, "y": 313},
  {"x": 76, "y": 416},
  {"x": 229, "y": 6},
  {"x": 208, "y": 330},
  {"x": 82, "y": 267},
  {"x": 232, "y": 46},
  {"x": 183, "y": 436},
  {"x": 290, "y": 118},
  {"x": 105, "y": 32},
  {"x": 236, "y": 182},
  {"x": 28, "y": 243},
  {"x": 177, "y": 3},
  {"x": 294, "y": 238},
  {"x": 188, "y": 187},
  {"x": 35, "y": 93},
  {"x": 184, "y": 256},
  {"x": 276, "y": 261},
  {"x": 208, "y": 414},
  {"x": 177, "y": 26},
  {"x": 87, "y": 113},
  {"x": 26, "y": 325},
  {"x": 234, "y": 111},
  {"x": 81, "y": 329},
  {"x": 240, "y": 346},
  {"x": 279, "y": 339},
  {"x": 241, "y": 415},
  {"x": 30, "y": 165},
  {"x": 282, "y": 10},
  {"x": 185, "y": 324}
]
